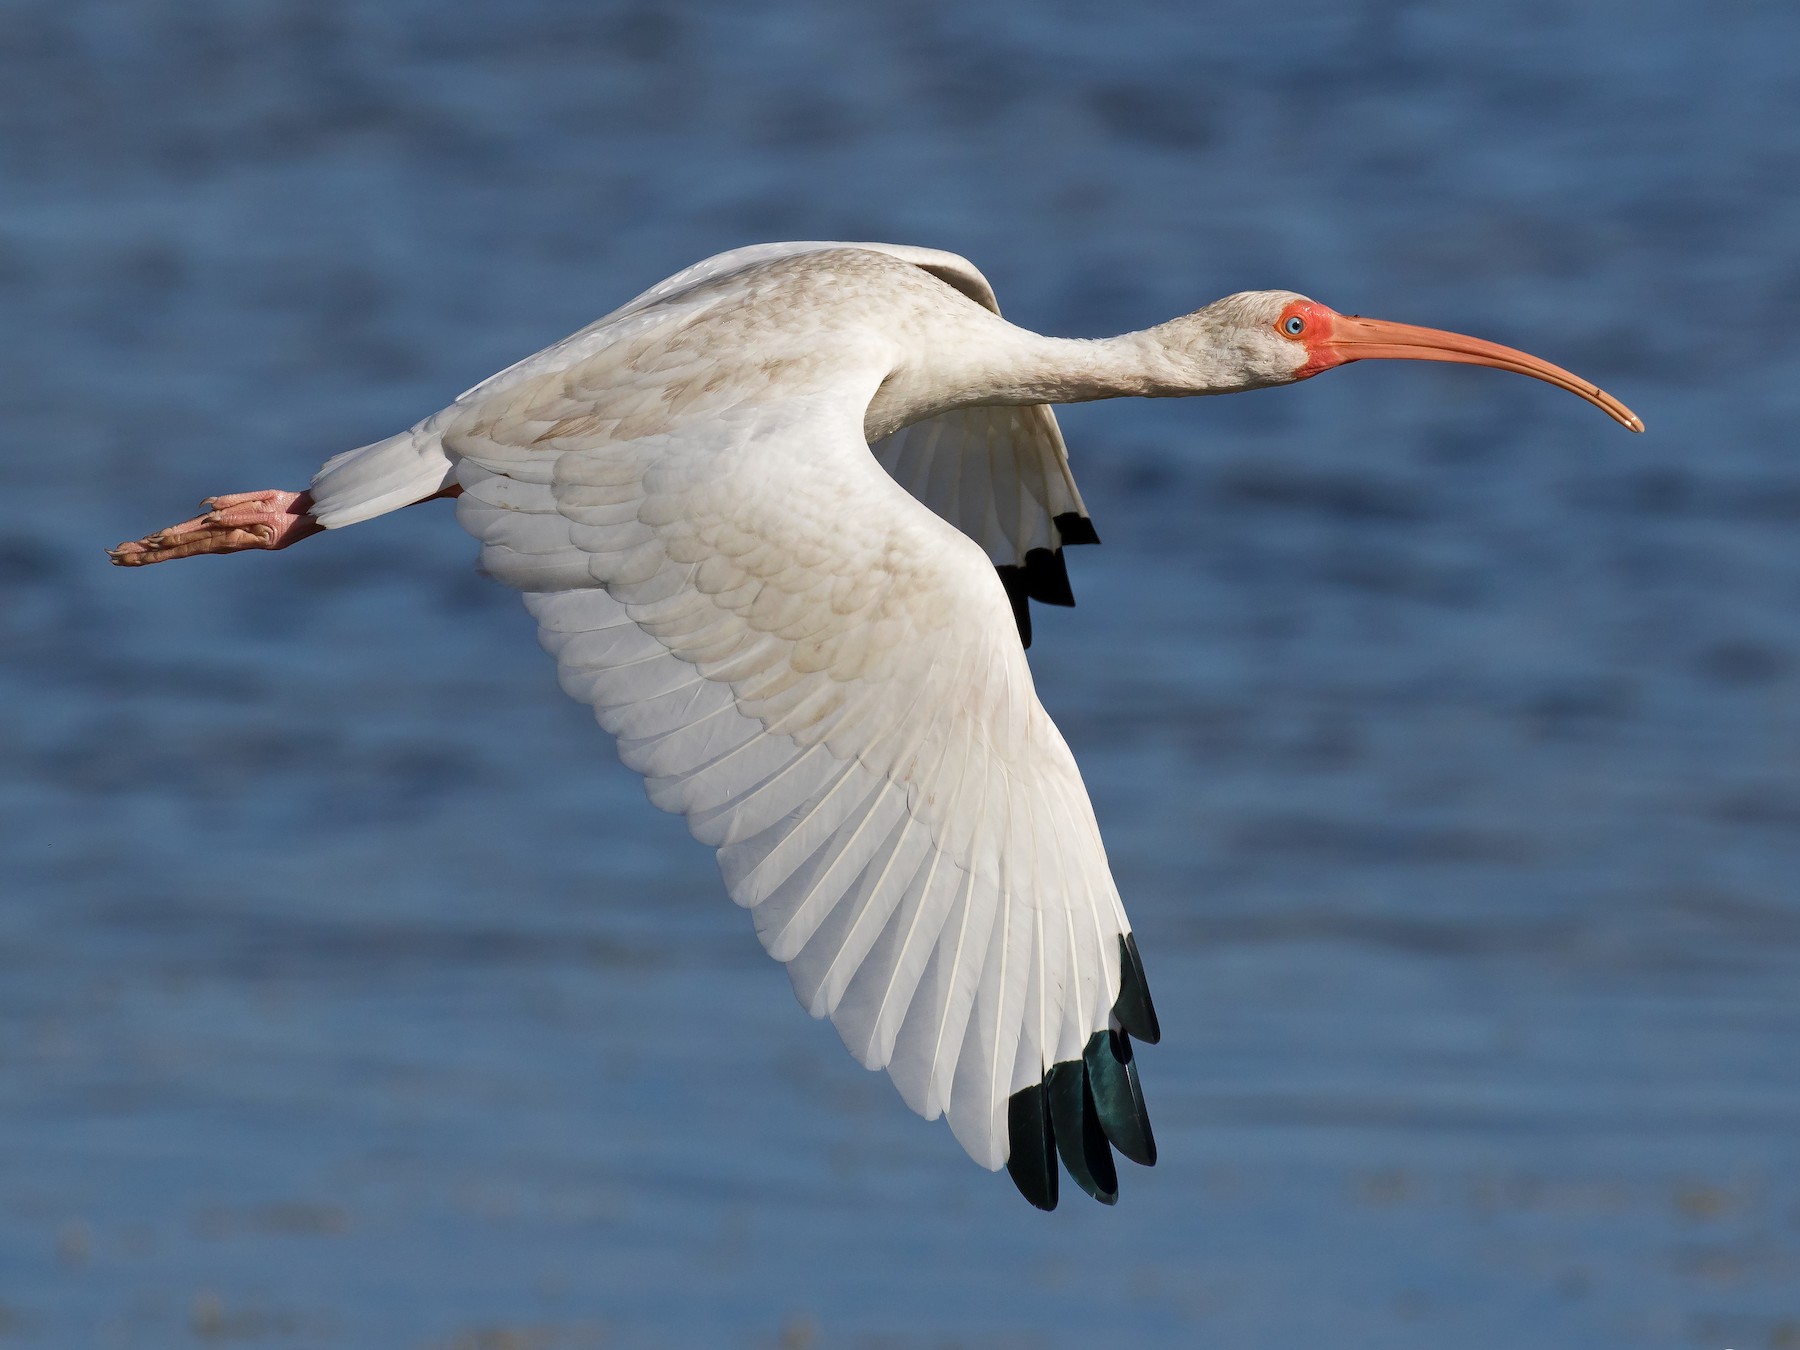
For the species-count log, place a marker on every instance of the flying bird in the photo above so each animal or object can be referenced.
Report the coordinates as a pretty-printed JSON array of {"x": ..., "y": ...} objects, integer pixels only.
[{"x": 780, "y": 520}]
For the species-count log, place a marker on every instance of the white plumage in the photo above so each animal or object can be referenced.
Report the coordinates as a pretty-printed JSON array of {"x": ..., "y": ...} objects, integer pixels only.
[
  {"x": 819, "y": 673},
  {"x": 779, "y": 520}
]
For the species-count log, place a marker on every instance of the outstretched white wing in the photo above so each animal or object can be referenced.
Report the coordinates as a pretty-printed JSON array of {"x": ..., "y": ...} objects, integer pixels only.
[{"x": 823, "y": 679}]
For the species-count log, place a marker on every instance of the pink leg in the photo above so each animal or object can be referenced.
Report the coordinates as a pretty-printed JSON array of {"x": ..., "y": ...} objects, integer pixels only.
[
  {"x": 237, "y": 521},
  {"x": 234, "y": 522}
]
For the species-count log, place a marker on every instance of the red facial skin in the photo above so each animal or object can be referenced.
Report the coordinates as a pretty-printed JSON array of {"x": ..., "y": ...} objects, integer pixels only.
[
  {"x": 1333, "y": 339},
  {"x": 1315, "y": 336}
]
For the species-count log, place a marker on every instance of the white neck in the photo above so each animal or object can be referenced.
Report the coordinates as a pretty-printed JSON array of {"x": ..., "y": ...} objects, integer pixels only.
[
  {"x": 998, "y": 363},
  {"x": 1037, "y": 369}
]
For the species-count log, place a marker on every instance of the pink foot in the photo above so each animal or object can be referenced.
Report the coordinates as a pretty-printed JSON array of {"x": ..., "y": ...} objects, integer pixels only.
[{"x": 234, "y": 522}]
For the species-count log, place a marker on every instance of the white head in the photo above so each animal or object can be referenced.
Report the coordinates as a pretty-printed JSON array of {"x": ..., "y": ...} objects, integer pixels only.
[{"x": 1258, "y": 338}]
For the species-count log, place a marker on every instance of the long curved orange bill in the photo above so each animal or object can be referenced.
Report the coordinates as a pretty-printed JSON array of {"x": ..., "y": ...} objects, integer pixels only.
[{"x": 1359, "y": 339}]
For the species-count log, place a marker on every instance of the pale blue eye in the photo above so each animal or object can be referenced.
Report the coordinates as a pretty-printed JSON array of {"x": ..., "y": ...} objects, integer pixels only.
[{"x": 1294, "y": 326}]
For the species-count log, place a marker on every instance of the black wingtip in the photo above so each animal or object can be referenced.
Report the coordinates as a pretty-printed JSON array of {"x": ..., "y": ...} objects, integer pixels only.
[
  {"x": 1031, "y": 1145},
  {"x": 1118, "y": 1100},
  {"x": 1047, "y": 577},
  {"x": 1084, "y": 1109},
  {"x": 1080, "y": 1138},
  {"x": 1133, "y": 1008},
  {"x": 1043, "y": 575},
  {"x": 1075, "y": 528},
  {"x": 1018, "y": 592}
]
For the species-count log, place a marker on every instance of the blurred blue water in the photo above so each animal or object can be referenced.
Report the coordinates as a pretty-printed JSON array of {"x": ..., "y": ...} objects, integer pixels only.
[{"x": 1444, "y": 736}]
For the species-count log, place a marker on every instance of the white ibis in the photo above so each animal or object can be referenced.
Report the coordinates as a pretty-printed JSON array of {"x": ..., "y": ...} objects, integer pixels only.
[{"x": 758, "y": 513}]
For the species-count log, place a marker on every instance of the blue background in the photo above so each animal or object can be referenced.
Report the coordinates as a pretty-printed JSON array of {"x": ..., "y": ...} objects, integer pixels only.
[{"x": 1444, "y": 735}]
